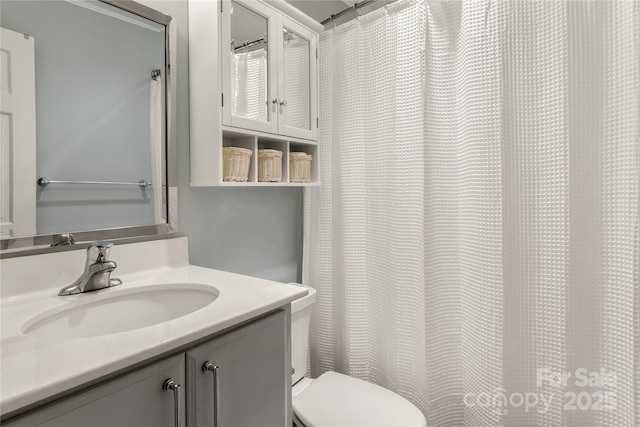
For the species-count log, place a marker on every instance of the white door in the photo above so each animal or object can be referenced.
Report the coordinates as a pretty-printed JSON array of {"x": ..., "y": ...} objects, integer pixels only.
[{"x": 17, "y": 134}]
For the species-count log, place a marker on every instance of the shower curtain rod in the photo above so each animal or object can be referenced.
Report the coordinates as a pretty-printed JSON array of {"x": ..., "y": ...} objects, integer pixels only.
[
  {"x": 247, "y": 43},
  {"x": 355, "y": 7}
]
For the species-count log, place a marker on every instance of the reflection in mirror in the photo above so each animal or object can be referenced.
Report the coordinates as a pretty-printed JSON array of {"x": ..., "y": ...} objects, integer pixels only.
[
  {"x": 296, "y": 77},
  {"x": 99, "y": 116},
  {"x": 249, "y": 64}
]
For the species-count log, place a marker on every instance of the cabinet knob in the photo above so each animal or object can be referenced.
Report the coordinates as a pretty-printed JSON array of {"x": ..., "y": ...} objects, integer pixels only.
[
  {"x": 283, "y": 103},
  {"x": 210, "y": 367},
  {"x": 171, "y": 385},
  {"x": 275, "y": 101}
]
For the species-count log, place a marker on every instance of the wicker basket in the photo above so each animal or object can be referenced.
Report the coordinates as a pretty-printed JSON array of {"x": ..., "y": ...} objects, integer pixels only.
[
  {"x": 269, "y": 166},
  {"x": 299, "y": 167},
  {"x": 236, "y": 164}
]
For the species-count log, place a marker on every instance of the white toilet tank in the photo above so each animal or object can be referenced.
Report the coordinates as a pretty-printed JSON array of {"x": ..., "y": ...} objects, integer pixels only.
[{"x": 300, "y": 317}]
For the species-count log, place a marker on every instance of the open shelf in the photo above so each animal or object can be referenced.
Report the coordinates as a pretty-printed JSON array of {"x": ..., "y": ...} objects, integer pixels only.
[
  {"x": 255, "y": 141},
  {"x": 283, "y": 147},
  {"x": 313, "y": 151},
  {"x": 248, "y": 142}
]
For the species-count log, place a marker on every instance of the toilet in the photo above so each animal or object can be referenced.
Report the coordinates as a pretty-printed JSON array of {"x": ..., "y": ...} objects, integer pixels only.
[{"x": 337, "y": 400}]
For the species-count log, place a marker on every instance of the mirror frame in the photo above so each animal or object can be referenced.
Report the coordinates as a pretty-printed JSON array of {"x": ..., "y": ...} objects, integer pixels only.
[{"x": 25, "y": 245}]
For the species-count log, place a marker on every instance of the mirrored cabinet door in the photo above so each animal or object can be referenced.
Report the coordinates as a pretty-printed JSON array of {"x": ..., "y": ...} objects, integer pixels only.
[
  {"x": 249, "y": 74},
  {"x": 297, "y": 80}
]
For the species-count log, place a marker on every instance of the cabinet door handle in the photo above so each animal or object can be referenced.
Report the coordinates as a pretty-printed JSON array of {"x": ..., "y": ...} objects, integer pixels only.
[
  {"x": 171, "y": 385},
  {"x": 210, "y": 367},
  {"x": 283, "y": 103}
]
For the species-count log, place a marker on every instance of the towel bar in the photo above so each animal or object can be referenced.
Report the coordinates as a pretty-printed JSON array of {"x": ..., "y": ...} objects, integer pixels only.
[{"x": 44, "y": 181}]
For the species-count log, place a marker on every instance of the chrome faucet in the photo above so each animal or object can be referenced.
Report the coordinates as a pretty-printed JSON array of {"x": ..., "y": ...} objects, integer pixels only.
[{"x": 97, "y": 271}]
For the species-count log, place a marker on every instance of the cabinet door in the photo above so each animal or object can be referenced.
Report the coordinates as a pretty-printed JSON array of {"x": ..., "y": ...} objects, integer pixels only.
[
  {"x": 253, "y": 377},
  {"x": 135, "y": 399},
  {"x": 249, "y": 68},
  {"x": 297, "y": 80}
]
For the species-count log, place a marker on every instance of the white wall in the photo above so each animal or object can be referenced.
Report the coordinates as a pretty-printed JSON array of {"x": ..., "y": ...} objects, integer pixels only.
[
  {"x": 323, "y": 9},
  {"x": 320, "y": 9},
  {"x": 253, "y": 231}
]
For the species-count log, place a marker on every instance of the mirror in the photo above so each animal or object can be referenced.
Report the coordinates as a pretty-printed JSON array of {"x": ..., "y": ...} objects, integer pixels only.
[
  {"x": 86, "y": 83},
  {"x": 249, "y": 64},
  {"x": 296, "y": 52}
]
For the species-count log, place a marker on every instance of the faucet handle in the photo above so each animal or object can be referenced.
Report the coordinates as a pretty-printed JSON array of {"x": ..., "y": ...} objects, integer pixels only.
[
  {"x": 98, "y": 251},
  {"x": 63, "y": 239}
]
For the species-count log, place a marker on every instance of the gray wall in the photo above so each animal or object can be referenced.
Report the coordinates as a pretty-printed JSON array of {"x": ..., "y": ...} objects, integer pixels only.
[
  {"x": 92, "y": 111},
  {"x": 253, "y": 231}
]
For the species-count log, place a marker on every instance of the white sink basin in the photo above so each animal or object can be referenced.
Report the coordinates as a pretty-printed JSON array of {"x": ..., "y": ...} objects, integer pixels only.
[{"x": 119, "y": 310}]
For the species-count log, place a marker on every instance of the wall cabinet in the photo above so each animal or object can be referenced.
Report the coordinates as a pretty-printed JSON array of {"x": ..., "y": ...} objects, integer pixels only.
[
  {"x": 269, "y": 71},
  {"x": 264, "y": 84},
  {"x": 248, "y": 383}
]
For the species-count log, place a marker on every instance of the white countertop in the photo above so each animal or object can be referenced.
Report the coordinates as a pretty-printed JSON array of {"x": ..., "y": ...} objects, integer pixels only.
[{"x": 33, "y": 369}]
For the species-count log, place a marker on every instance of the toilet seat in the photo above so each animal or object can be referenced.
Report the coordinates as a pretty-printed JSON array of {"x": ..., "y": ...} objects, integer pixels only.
[{"x": 334, "y": 400}]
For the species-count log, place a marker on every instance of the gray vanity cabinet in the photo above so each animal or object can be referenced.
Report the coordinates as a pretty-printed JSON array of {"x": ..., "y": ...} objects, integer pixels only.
[
  {"x": 253, "y": 383},
  {"x": 253, "y": 386},
  {"x": 134, "y": 399}
]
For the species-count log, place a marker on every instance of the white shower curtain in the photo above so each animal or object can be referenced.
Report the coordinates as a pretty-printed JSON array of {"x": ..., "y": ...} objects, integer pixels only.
[
  {"x": 156, "y": 140},
  {"x": 296, "y": 75},
  {"x": 249, "y": 89},
  {"x": 476, "y": 231}
]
